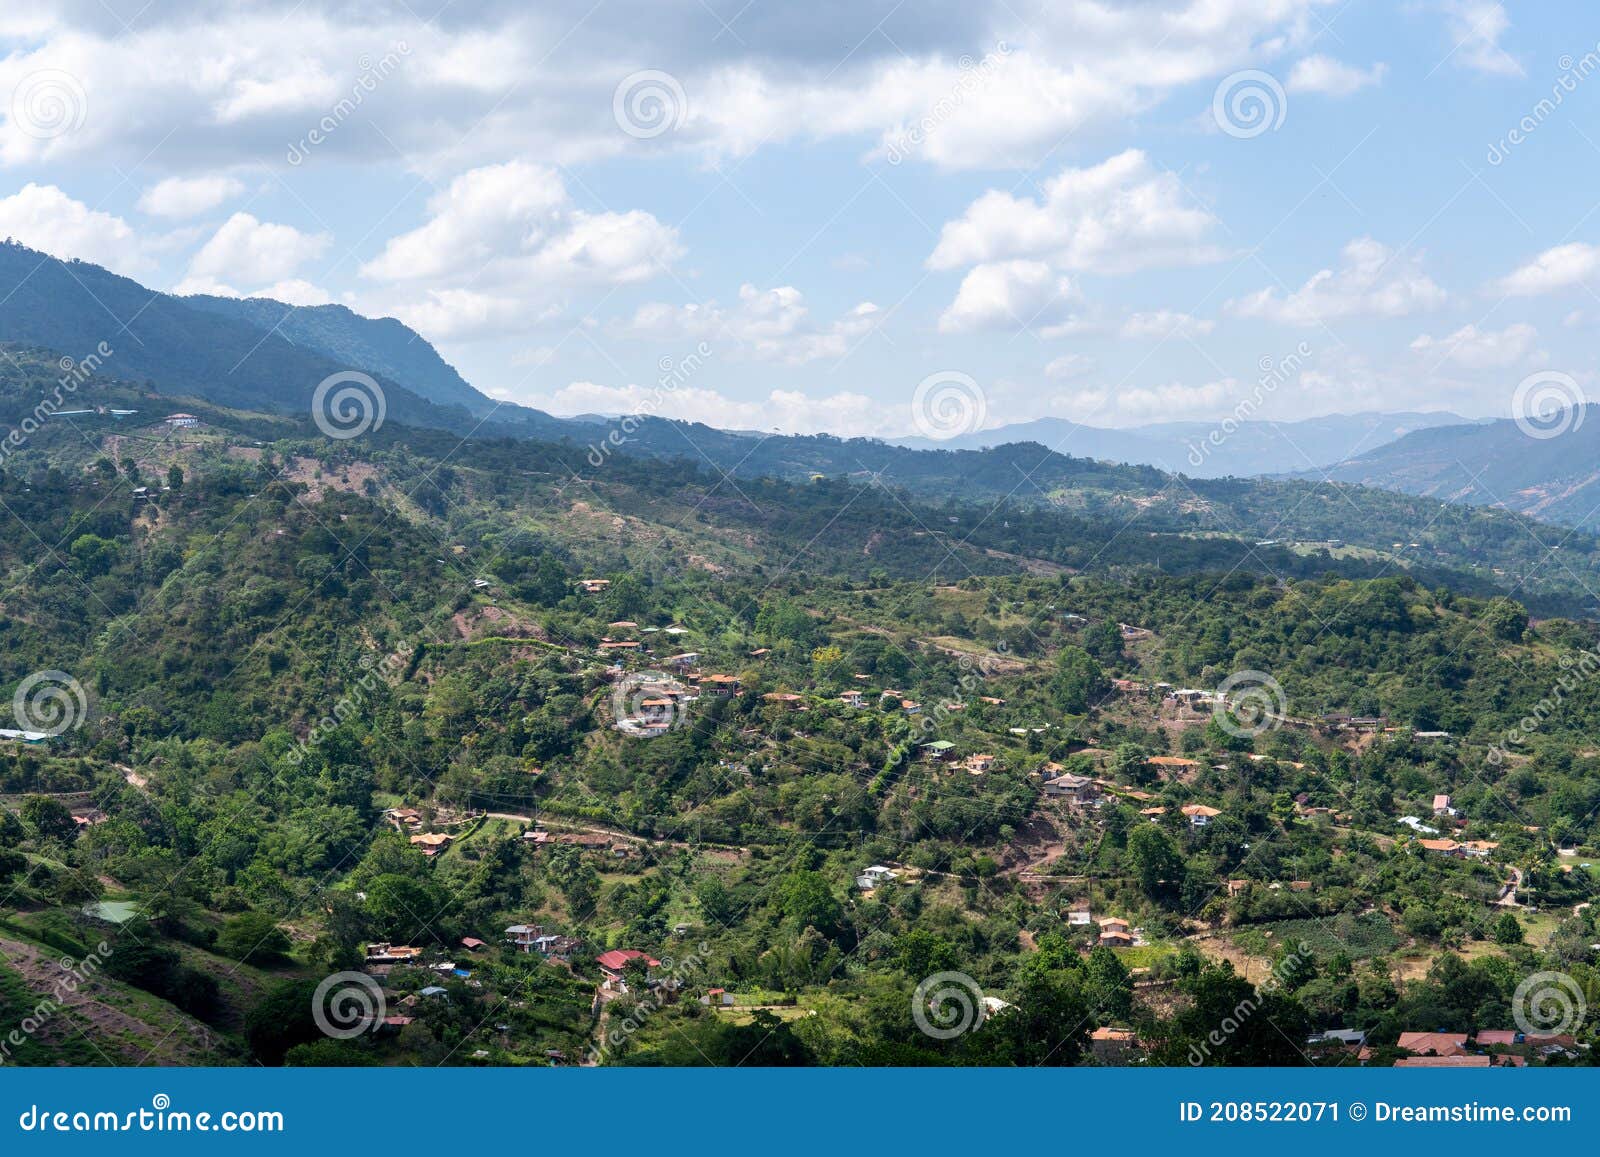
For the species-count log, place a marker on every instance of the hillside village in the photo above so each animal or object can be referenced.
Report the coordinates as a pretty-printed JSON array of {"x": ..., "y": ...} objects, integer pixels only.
[{"x": 573, "y": 786}]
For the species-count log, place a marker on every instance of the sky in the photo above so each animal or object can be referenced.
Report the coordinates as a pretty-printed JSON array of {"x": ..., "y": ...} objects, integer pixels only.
[{"x": 858, "y": 216}]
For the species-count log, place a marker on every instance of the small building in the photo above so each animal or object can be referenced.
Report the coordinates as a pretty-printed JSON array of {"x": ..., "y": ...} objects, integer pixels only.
[
  {"x": 181, "y": 421},
  {"x": 1200, "y": 815},
  {"x": 877, "y": 874},
  {"x": 720, "y": 685},
  {"x": 852, "y": 699},
  {"x": 980, "y": 763},
  {"x": 784, "y": 699},
  {"x": 594, "y": 586},
  {"x": 1442, "y": 807},
  {"x": 432, "y": 843},
  {"x": 1075, "y": 789},
  {"x": 938, "y": 751},
  {"x": 1113, "y": 1046},
  {"x": 614, "y": 962}
]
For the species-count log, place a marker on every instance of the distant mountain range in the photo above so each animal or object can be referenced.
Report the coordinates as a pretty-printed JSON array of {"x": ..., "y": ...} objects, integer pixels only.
[
  {"x": 263, "y": 355},
  {"x": 1556, "y": 479},
  {"x": 1199, "y": 450}
]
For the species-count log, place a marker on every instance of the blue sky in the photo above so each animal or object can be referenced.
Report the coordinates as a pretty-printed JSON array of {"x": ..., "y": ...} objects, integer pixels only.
[{"x": 816, "y": 207}]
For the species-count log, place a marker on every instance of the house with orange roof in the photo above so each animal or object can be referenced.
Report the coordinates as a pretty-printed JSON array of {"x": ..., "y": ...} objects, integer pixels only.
[{"x": 1199, "y": 814}]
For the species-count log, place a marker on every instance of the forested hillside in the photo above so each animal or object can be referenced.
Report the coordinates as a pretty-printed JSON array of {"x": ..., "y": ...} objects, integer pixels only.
[{"x": 357, "y": 711}]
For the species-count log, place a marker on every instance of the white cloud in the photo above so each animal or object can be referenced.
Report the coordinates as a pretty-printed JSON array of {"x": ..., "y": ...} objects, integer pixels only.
[
  {"x": 251, "y": 251},
  {"x": 792, "y": 411},
  {"x": 1481, "y": 349},
  {"x": 1371, "y": 281},
  {"x": 1164, "y": 323},
  {"x": 485, "y": 81},
  {"x": 1070, "y": 366},
  {"x": 772, "y": 325},
  {"x": 1332, "y": 77},
  {"x": 1102, "y": 405},
  {"x": 1008, "y": 295},
  {"x": 1475, "y": 28},
  {"x": 1559, "y": 268},
  {"x": 1119, "y": 216},
  {"x": 180, "y": 197},
  {"x": 501, "y": 245},
  {"x": 45, "y": 218}
]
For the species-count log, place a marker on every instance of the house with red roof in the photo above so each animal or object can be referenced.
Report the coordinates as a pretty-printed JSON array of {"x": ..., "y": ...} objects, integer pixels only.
[{"x": 614, "y": 962}]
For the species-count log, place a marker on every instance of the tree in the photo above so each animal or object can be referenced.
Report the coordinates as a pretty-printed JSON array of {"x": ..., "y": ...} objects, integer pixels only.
[
  {"x": 1508, "y": 929},
  {"x": 175, "y": 477},
  {"x": 253, "y": 938},
  {"x": 50, "y": 818},
  {"x": 1156, "y": 862},
  {"x": 806, "y": 899}
]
